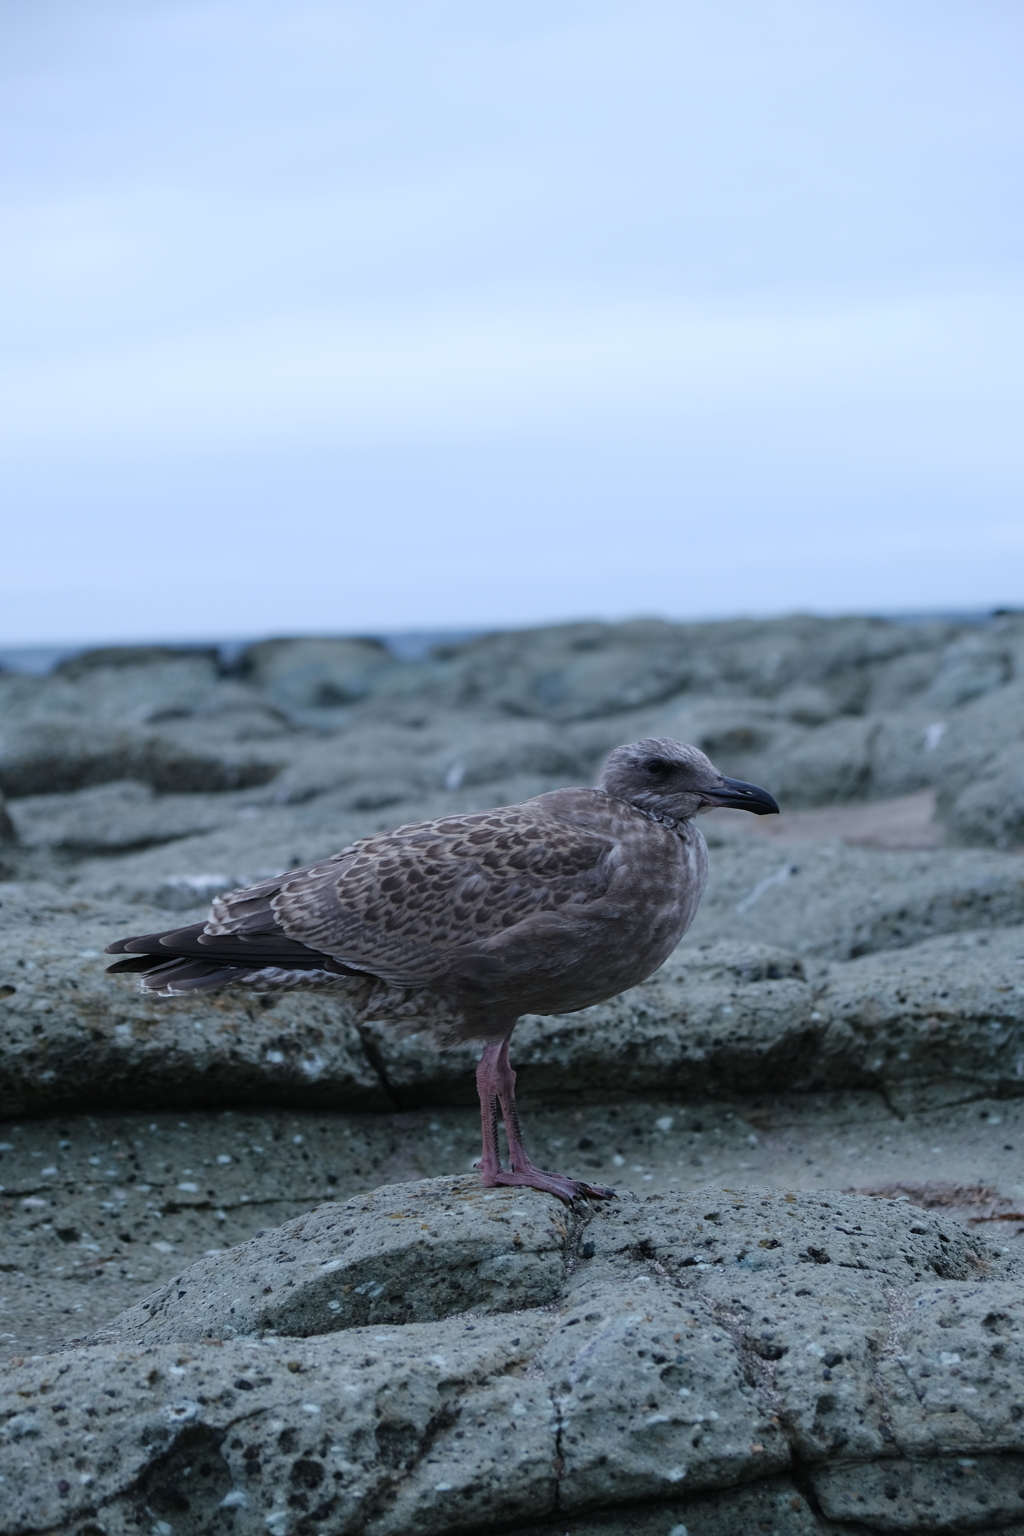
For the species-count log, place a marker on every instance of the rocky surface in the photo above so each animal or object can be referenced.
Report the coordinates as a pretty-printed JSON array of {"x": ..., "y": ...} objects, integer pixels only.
[
  {"x": 503, "y": 1360},
  {"x": 99, "y": 1209},
  {"x": 824, "y": 710},
  {"x": 273, "y": 1331},
  {"x": 71, "y": 1040},
  {"x": 721, "y": 1017}
]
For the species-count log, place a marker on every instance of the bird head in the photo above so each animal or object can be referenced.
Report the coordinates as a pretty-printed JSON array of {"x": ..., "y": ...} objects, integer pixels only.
[{"x": 673, "y": 779}]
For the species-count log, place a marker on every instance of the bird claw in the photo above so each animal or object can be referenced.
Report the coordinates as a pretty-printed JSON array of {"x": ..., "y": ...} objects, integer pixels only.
[
  {"x": 594, "y": 1191},
  {"x": 548, "y": 1183}
]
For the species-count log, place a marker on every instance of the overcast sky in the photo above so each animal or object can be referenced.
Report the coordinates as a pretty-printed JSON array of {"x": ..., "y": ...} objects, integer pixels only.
[{"x": 380, "y": 316}]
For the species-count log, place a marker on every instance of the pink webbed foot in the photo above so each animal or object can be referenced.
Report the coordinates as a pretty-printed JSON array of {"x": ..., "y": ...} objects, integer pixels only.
[{"x": 558, "y": 1184}]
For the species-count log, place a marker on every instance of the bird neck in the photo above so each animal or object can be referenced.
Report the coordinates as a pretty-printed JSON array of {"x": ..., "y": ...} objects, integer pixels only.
[{"x": 674, "y": 823}]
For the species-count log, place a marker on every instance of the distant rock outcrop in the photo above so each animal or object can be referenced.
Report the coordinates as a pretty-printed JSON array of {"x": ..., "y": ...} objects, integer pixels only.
[{"x": 821, "y": 709}]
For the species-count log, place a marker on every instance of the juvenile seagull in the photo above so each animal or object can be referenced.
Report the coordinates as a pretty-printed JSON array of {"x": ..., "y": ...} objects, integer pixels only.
[{"x": 463, "y": 924}]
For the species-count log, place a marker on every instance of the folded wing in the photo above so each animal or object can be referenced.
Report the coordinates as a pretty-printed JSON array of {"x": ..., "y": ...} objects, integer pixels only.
[{"x": 409, "y": 907}]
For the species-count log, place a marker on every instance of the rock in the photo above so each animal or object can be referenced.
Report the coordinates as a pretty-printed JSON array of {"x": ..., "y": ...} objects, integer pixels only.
[
  {"x": 967, "y": 740},
  {"x": 849, "y": 758},
  {"x": 252, "y": 840},
  {"x": 362, "y": 1439},
  {"x": 730, "y": 1020},
  {"x": 506, "y": 748},
  {"x": 364, "y": 770},
  {"x": 899, "y": 1494},
  {"x": 70, "y": 1037},
  {"x": 670, "y": 1034},
  {"x": 197, "y": 660},
  {"x": 990, "y": 809},
  {"x": 59, "y": 758},
  {"x": 822, "y": 899},
  {"x": 256, "y": 838},
  {"x": 819, "y": 709},
  {"x": 688, "y": 1357},
  {"x": 902, "y": 751},
  {"x": 580, "y": 671},
  {"x": 315, "y": 674},
  {"x": 101, "y": 1209},
  {"x": 837, "y": 902},
  {"x": 734, "y": 731},
  {"x": 949, "y": 1011},
  {"x": 114, "y": 818},
  {"x": 170, "y": 722},
  {"x": 725, "y": 1017},
  {"x": 771, "y": 1506},
  {"x": 406, "y": 1254},
  {"x": 115, "y": 683},
  {"x": 854, "y": 757},
  {"x": 114, "y": 688},
  {"x": 902, "y": 681},
  {"x": 447, "y": 1358},
  {"x": 387, "y": 762},
  {"x": 970, "y": 666},
  {"x": 830, "y": 764}
]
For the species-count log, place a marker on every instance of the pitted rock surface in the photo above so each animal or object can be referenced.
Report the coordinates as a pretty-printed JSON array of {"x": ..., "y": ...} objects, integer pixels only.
[
  {"x": 840, "y": 903},
  {"x": 70, "y": 1038},
  {"x": 647, "y": 1354},
  {"x": 725, "y": 1016},
  {"x": 712, "y": 1363},
  {"x": 403, "y": 1254}
]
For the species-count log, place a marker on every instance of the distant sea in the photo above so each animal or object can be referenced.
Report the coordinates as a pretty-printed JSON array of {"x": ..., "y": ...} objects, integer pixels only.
[{"x": 408, "y": 645}]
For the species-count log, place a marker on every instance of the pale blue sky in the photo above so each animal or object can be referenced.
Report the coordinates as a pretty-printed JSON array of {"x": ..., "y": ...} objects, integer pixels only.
[{"x": 338, "y": 317}]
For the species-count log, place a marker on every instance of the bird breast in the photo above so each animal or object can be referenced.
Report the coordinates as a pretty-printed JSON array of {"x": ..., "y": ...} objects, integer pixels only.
[{"x": 561, "y": 961}]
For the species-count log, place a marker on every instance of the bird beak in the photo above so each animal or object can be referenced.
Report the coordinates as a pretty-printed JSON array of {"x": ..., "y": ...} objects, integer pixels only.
[{"x": 742, "y": 797}]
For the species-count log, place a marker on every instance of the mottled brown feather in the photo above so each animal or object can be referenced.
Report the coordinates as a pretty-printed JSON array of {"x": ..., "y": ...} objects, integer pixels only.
[{"x": 464, "y": 923}]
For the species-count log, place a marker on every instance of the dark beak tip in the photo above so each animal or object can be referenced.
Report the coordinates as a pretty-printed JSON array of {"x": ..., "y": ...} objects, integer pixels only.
[{"x": 740, "y": 796}]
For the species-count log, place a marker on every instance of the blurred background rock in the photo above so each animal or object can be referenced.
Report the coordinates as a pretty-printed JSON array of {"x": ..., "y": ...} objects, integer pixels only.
[{"x": 120, "y": 751}]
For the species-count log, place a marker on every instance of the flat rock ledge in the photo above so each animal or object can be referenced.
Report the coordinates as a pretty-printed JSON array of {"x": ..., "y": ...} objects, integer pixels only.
[
  {"x": 436, "y": 1357},
  {"x": 940, "y": 1018}
]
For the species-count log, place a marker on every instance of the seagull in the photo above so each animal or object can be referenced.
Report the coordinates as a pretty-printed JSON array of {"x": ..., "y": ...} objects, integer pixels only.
[{"x": 463, "y": 924}]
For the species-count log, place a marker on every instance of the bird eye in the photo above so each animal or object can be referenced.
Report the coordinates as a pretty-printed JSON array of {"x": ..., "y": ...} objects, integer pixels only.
[{"x": 656, "y": 765}]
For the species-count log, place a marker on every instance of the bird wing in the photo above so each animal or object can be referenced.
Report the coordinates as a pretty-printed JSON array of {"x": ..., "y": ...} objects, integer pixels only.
[{"x": 410, "y": 904}]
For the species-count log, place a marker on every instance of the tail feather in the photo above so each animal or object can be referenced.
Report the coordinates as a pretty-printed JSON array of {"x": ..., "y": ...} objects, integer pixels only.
[
  {"x": 177, "y": 977},
  {"x": 132, "y": 963},
  {"x": 191, "y": 959},
  {"x": 188, "y": 976}
]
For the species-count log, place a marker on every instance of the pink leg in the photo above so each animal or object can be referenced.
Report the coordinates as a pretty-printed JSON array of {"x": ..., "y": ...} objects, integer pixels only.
[{"x": 496, "y": 1082}]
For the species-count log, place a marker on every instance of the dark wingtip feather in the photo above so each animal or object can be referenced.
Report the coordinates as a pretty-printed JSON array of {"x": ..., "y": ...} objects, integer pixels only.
[
  {"x": 189, "y": 976},
  {"x": 152, "y": 943}
]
